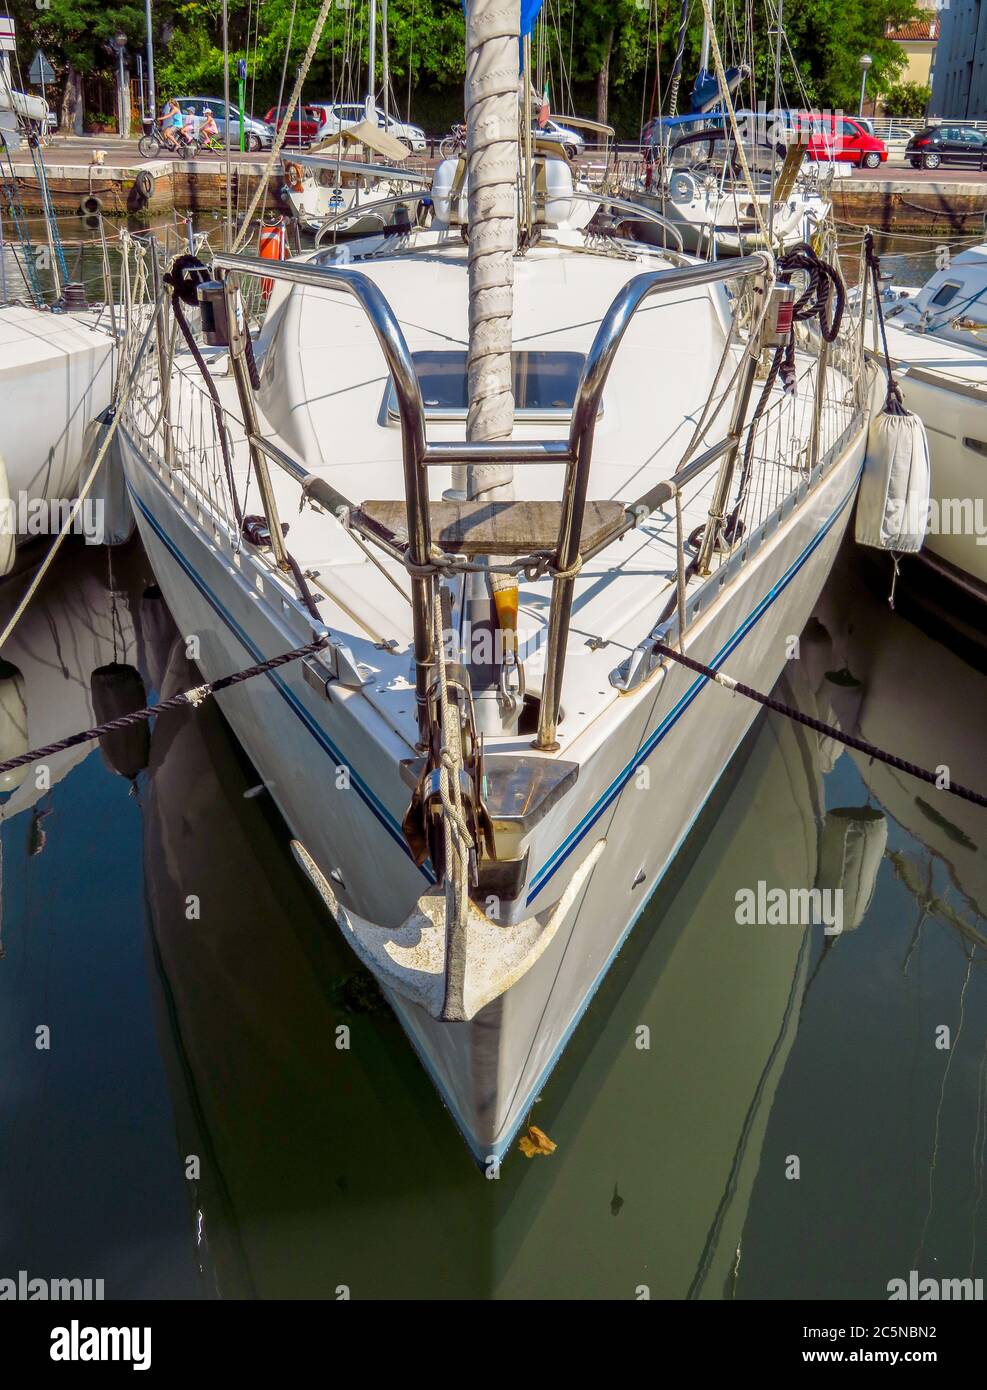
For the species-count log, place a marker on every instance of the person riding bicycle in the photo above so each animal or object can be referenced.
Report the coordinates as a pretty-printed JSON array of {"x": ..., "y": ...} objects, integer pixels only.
[
  {"x": 209, "y": 131},
  {"x": 171, "y": 122},
  {"x": 188, "y": 126}
]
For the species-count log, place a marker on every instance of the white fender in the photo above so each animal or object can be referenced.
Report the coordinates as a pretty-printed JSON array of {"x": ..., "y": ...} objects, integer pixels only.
[{"x": 893, "y": 502}]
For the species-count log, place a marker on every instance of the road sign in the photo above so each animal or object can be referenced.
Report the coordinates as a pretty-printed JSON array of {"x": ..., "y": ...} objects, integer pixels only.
[
  {"x": 41, "y": 73},
  {"x": 7, "y": 37}
]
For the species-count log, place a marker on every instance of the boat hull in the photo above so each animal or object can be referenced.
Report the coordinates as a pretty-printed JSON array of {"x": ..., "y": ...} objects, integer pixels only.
[
  {"x": 56, "y": 376},
  {"x": 640, "y": 790},
  {"x": 953, "y": 413}
]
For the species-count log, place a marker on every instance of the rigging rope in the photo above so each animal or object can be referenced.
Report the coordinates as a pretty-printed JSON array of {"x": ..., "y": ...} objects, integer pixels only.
[
  {"x": 860, "y": 745},
  {"x": 261, "y": 189}
]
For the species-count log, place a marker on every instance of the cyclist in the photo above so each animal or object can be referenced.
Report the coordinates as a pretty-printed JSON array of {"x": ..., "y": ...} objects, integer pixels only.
[
  {"x": 171, "y": 122},
  {"x": 188, "y": 126},
  {"x": 209, "y": 132}
]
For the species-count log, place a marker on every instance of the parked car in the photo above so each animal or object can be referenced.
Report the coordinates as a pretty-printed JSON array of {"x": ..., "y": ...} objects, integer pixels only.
[
  {"x": 259, "y": 135},
  {"x": 305, "y": 125},
  {"x": 947, "y": 144},
  {"x": 353, "y": 112},
  {"x": 571, "y": 141},
  {"x": 842, "y": 140}
]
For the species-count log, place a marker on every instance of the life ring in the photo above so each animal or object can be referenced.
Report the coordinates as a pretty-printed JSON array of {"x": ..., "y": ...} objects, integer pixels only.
[
  {"x": 91, "y": 205},
  {"x": 293, "y": 174},
  {"x": 682, "y": 187}
]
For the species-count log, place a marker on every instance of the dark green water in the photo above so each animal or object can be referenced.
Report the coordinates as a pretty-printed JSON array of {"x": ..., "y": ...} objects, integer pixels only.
[{"x": 207, "y": 1046}]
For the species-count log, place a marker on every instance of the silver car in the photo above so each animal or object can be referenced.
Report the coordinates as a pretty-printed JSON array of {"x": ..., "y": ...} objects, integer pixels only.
[
  {"x": 258, "y": 135},
  {"x": 571, "y": 141}
]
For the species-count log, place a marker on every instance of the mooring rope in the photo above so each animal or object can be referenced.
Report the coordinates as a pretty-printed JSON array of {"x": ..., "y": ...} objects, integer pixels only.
[
  {"x": 187, "y": 699},
  {"x": 828, "y": 730}
]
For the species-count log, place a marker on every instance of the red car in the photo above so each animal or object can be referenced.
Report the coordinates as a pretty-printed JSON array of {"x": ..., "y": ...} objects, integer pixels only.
[
  {"x": 840, "y": 138},
  {"x": 300, "y": 131}
]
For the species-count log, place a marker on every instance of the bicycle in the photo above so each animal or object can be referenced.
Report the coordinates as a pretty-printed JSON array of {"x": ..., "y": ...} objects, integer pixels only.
[
  {"x": 152, "y": 143},
  {"x": 454, "y": 143}
]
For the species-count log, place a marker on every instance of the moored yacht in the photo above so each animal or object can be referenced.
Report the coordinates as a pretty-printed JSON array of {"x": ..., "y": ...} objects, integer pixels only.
[
  {"x": 490, "y": 765},
  {"x": 937, "y": 339}
]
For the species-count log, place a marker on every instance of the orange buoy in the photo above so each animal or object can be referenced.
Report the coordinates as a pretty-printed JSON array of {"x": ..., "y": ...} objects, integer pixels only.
[{"x": 272, "y": 245}]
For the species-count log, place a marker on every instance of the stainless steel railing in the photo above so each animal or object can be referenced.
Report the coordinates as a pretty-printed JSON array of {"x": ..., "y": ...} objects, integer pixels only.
[{"x": 576, "y": 453}]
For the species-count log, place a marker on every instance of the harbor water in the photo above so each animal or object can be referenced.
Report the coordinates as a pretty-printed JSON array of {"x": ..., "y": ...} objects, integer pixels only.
[{"x": 204, "y": 1095}]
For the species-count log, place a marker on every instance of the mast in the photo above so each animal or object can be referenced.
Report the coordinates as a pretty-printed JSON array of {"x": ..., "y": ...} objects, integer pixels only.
[
  {"x": 491, "y": 102},
  {"x": 385, "y": 61},
  {"x": 371, "y": 102}
]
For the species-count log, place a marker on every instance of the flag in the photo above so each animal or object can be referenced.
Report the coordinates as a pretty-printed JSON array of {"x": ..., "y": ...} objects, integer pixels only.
[{"x": 543, "y": 109}]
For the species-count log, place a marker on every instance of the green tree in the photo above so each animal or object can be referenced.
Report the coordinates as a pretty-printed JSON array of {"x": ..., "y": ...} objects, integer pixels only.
[{"x": 906, "y": 99}]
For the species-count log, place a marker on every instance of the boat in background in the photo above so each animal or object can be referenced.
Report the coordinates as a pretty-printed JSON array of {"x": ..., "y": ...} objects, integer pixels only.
[
  {"x": 697, "y": 183},
  {"x": 937, "y": 339},
  {"x": 353, "y": 197}
]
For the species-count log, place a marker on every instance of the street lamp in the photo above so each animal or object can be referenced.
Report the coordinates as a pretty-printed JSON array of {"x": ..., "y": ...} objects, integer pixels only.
[
  {"x": 865, "y": 62},
  {"x": 150, "y": 60},
  {"x": 120, "y": 46}
]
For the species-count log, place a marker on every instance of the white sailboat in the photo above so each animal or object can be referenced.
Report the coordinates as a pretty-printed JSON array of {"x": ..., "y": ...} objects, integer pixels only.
[
  {"x": 937, "y": 339},
  {"x": 56, "y": 354},
  {"x": 490, "y": 768}
]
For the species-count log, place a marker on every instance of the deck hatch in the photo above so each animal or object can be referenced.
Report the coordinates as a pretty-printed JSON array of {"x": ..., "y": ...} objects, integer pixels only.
[{"x": 545, "y": 384}]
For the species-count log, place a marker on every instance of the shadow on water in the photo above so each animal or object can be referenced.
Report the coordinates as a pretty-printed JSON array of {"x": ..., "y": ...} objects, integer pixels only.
[{"x": 228, "y": 1107}]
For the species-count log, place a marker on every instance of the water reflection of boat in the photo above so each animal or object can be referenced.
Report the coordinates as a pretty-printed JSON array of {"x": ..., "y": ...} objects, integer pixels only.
[
  {"x": 322, "y": 1166},
  {"x": 901, "y": 689},
  {"x": 71, "y": 660}
]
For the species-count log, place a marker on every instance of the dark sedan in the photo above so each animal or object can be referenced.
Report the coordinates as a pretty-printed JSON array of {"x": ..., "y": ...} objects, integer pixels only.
[{"x": 947, "y": 144}]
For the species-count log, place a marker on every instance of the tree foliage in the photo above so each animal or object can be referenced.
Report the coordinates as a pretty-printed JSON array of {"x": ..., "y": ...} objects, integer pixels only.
[{"x": 906, "y": 99}]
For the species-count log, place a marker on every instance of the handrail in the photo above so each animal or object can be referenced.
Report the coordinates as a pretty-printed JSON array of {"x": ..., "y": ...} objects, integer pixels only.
[
  {"x": 411, "y": 409},
  {"x": 636, "y": 210},
  {"x": 596, "y": 369},
  {"x": 370, "y": 208},
  {"x": 417, "y": 453}
]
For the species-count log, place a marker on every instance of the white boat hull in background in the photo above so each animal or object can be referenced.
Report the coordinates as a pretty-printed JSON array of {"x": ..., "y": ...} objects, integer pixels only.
[
  {"x": 56, "y": 376},
  {"x": 954, "y": 412}
]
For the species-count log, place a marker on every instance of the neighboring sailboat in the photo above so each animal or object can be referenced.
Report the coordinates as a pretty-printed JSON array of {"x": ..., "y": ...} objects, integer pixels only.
[
  {"x": 335, "y": 196},
  {"x": 490, "y": 769},
  {"x": 937, "y": 338},
  {"x": 57, "y": 358}
]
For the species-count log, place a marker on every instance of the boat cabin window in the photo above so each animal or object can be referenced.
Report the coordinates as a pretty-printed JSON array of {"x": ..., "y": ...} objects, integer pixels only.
[
  {"x": 945, "y": 294},
  {"x": 545, "y": 385}
]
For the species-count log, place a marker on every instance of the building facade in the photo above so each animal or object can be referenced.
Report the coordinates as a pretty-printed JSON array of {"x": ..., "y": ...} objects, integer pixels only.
[
  {"x": 918, "y": 40},
  {"x": 959, "y": 86}
]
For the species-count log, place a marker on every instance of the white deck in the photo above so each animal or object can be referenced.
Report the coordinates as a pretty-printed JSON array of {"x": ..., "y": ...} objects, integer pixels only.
[{"x": 320, "y": 354}]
